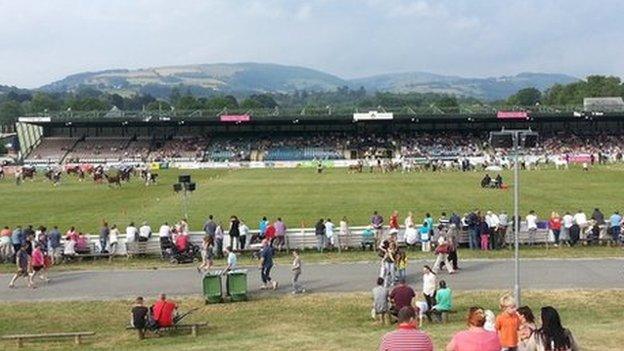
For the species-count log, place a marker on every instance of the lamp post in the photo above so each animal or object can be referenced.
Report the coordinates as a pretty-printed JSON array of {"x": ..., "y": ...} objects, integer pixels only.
[
  {"x": 185, "y": 186},
  {"x": 515, "y": 139}
]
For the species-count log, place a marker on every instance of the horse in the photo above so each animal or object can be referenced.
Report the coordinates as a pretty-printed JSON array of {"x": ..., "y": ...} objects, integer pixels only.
[
  {"x": 125, "y": 173},
  {"x": 28, "y": 173}
]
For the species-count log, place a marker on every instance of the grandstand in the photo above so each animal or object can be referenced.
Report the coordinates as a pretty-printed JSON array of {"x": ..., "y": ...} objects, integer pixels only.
[{"x": 295, "y": 137}]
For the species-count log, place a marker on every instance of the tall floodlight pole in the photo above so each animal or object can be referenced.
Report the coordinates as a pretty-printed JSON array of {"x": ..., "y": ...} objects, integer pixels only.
[
  {"x": 514, "y": 139},
  {"x": 516, "y": 220}
]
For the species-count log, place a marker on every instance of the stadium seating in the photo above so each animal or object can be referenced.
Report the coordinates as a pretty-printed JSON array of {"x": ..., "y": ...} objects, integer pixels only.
[{"x": 51, "y": 150}]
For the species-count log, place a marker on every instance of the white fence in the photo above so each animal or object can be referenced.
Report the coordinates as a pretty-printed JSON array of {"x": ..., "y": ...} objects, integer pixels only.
[{"x": 305, "y": 238}]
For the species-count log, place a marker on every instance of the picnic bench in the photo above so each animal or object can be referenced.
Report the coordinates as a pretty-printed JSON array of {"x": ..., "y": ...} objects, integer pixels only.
[
  {"x": 21, "y": 337},
  {"x": 193, "y": 327}
]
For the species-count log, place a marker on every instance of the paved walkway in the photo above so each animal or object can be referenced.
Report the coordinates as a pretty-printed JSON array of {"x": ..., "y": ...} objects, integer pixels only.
[{"x": 339, "y": 277}]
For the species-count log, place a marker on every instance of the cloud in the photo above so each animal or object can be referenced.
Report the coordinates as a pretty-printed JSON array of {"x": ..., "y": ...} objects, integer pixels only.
[{"x": 44, "y": 41}]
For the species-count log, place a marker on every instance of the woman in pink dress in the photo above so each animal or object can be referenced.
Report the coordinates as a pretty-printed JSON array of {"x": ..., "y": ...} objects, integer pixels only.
[{"x": 475, "y": 338}]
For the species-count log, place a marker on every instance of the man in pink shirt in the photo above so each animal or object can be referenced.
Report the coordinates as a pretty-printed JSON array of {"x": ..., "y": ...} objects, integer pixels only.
[{"x": 407, "y": 337}]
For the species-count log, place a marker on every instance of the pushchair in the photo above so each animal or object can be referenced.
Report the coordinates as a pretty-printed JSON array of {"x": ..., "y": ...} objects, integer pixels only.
[{"x": 170, "y": 252}]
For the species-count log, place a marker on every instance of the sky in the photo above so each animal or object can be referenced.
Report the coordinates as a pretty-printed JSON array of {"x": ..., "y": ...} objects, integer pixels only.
[{"x": 44, "y": 41}]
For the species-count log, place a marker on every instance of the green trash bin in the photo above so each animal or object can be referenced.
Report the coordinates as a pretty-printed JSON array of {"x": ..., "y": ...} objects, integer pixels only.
[
  {"x": 211, "y": 285},
  {"x": 237, "y": 285}
]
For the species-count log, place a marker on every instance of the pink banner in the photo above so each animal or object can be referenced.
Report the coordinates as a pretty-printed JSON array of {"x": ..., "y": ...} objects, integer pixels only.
[
  {"x": 235, "y": 118},
  {"x": 580, "y": 158},
  {"x": 512, "y": 115}
]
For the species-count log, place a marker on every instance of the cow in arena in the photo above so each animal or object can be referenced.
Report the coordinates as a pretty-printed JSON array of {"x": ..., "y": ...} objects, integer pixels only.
[
  {"x": 28, "y": 172},
  {"x": 356, "y": 168},
  {"x": 113, "y": 179}
]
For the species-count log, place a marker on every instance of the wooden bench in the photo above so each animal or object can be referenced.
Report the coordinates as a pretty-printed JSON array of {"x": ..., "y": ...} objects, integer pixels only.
[
  {"x": 20, "y": 338},
  {"x": 193, "y": 327}
]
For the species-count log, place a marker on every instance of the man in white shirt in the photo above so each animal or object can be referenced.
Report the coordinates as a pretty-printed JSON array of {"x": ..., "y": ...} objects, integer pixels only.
[
  {"x": 568, "y": 222},
  {"x": 145, "y": 232},
  {"x": 531, "y": 220},
  {"x": 164, "y": 231},
  {"x": 329, "y": 232},
  {"x": 131, "y": 233},
  {"x": 492, "y": 221},
  {"x": 581, "y": 220},
  {"x": 231, "y": 265}
]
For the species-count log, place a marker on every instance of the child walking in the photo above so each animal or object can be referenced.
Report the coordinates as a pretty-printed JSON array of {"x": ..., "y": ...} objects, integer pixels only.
[
  {"x": 401, "y": 264},
  {"x": 207, "y": 254},
  {"x": 296, "y": 269}
]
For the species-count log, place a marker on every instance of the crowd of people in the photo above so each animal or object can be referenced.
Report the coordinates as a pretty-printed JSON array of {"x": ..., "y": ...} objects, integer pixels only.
[
  {"x": 407, "y": 144},
  {"x": 514, "y": 329}
]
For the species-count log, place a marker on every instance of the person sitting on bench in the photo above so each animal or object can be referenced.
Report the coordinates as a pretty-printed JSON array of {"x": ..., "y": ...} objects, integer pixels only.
[{"x": 163, "y": 312}]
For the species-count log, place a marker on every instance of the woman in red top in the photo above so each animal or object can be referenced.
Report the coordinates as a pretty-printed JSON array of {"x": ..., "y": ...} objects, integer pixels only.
[
  {"x": 394, "y": 220},
  {"x": 554, "y": 224}
]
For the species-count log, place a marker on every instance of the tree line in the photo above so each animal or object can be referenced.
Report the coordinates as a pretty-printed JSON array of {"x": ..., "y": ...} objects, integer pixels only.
[{"x": 18, "y": 102}]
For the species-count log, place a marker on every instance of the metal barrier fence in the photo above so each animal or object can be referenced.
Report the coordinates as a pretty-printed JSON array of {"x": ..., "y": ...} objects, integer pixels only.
[{"x": 305, "y": 238}]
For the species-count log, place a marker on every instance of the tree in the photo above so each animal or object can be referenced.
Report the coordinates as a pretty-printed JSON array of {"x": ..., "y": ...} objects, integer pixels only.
[
  {"x": 9, "y": 111},
  {"x": 188, "y": 102},
  {"x": 42, "y": 101},
  {"x": 525, "y": 97}
]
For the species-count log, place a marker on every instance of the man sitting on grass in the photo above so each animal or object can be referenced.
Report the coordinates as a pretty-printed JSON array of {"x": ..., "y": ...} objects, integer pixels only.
[
  {"x": 401, "y": 296},
  {"x": 407, "y": 336},
  {"x": 163, "y": 311}
]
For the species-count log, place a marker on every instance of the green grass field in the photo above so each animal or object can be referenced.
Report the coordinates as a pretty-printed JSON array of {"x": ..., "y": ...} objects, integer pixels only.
[
  {"x": 301, "y": 196},
  {"x": 310, "y": 322}
]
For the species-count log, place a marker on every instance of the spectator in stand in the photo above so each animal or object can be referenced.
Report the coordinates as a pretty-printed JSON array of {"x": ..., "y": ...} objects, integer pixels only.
[
  {"x": 104, "y": 233},
  {"x": 507, "y": 323},
  {"x": 567, "y": 222},
  {"x": 527, "y": 328},
  {"x": 145, "y": 232},
  {"x": 380, "y": 302},
  {"x": 6, "y": 249},
  {"x": 475, "y": 338},
  {"x": 280, "y": 233},
  {"x": 554, "y": 224},
  {"x": 113, "y": 239},
  {"x": 132, "y": 233},
  {"x": 210, "y": 226},
  {"x": 615, "y": 222},
  {"x": 407, "y": 337},
  {"x": 234, "y": 233},
  {"x": 319, "y": 232},
  {"x": 394, "y": 220},
  {"x": 163, "y": 312},
  {"x": 531, "y": 221},
  {"x": 552, "y": 335},
  {"x": 56, "y": 249},
  {"x": 580, "y": 219},
  {"x": 23, "y": 262},
  {"x": 377, "y": 223},
  {"x": 401, "y": 296},
  {"x": 243, "y": 230}
]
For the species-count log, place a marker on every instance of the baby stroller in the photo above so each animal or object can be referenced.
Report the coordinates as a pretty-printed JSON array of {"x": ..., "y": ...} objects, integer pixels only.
[{"x": 170, "y": 252}]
